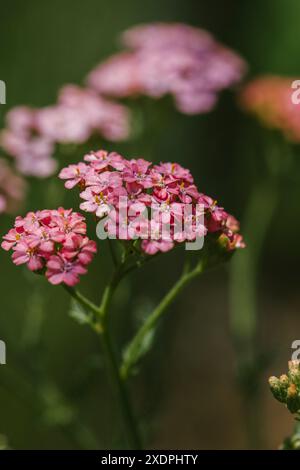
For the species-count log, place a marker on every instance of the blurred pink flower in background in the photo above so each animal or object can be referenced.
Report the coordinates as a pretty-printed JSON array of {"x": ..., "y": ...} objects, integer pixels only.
[
  {"x": 22, "y": 139},
  {"x": 30, "y": 135},
  {"x": 175, "y": 59},
  {"x": 269, "y": 98},
  {"x": 12, "y": 188},
  {"x": 80, "y": 112}
]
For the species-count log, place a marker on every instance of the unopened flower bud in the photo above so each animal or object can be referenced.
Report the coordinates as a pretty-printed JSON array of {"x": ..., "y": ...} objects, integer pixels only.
[
  {"x": 293, "y": 399},
  {"x": 284, "y": 380},
  {"x": 278, "y": 389},
  {"x": 292, "y": 391}
]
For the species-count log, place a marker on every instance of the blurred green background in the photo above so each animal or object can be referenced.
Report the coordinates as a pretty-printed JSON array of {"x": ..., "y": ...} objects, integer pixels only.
[{"x": 54, "y": 392}]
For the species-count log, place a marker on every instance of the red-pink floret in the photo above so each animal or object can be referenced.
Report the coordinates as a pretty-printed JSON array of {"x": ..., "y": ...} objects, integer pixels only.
[{"x": 52, "y": 241}]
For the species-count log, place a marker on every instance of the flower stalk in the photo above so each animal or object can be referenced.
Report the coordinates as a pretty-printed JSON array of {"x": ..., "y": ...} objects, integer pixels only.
[
  {"x": 244, "y": 310},
  {"x": 133, "y": 351},
  {"x": 97, "y": 319}
]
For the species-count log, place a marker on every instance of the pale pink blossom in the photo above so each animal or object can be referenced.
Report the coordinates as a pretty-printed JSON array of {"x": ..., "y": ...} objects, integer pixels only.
[
  {"x": 23, "y": 140},
  {"x": 176, "y": 59},
  {"x": 98, "y": 115},
  {"x": 96, "y": 201},
  {"x": 118, "y": 76},
  {"x": 63, "y": 124},
  {"x": 31, "y": 135},
  {"x": 101, "y": 160},
  {"x": 75, "y": 175},
  {"x": 12, "y": 238}
]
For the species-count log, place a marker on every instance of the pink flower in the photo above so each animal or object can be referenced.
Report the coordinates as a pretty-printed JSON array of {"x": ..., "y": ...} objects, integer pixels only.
[
  {"x": 63, "y": 124},
  {"x": 175, "y": 59},
  {"x": 54, "y": 240},
  {"x": 232, "y": 223},
  {"x": 216, "y": 219},
  {"x": 99, "y": 115},
  {"x": 232, "y": 241},
  {"x": 185, "y": 191},
  {"x": 150, "y": 203},
  {"x": 175, "y": 171},
  {"x": 101, "y": 160},
  {"x": 60, "y": 270},
  {"x": 151, "y": 247},
  {"x": 117, "y": 77},
  {"x": 22, "y": 139},
  {"x": 76, "y": 245},
  {"x": 137, "y": 172},
  {"x": 31, "y": 135},
  {"x": 96, "y": 201},
  {"x": 26, "y": 252},
  {"x": 68, "y": 221},
  {"x": 75, "y": 174},
  {"x": 157, "y": 35},
  {"x": 104, "y": 180},
  {"x": 11, "y": 239}
]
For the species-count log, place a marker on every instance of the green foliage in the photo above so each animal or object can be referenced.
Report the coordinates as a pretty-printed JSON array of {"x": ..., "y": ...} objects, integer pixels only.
[{"x": 78, "y": 313}]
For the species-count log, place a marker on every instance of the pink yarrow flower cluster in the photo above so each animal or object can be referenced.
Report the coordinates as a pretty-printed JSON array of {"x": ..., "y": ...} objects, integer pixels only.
[
  {"x": 269, "y": 98},
  {"x": 175, "y": 59},
  {"x": 79, "y": 113},
  {"x": 23, "y": 140},
  {"x": 31, "y": 135},
  {"x": 53, "y": 242},
  {"x": 157, "y": 204}
]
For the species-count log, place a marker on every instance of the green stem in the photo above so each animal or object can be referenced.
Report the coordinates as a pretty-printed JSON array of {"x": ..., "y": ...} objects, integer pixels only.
[
  {"x": 93, "y": 312},
  {"x": 134, "y": 348},
  {"x": 112, "y": 252},
  {"x": 109, "y": 290},
  {"x": 86, "y": 303},
  {"x": 98, "y": 321},
  {"x": 243, "y": 291},
  {"x": 259, "y": 214},
  {"x": 130, "y": 425}
]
